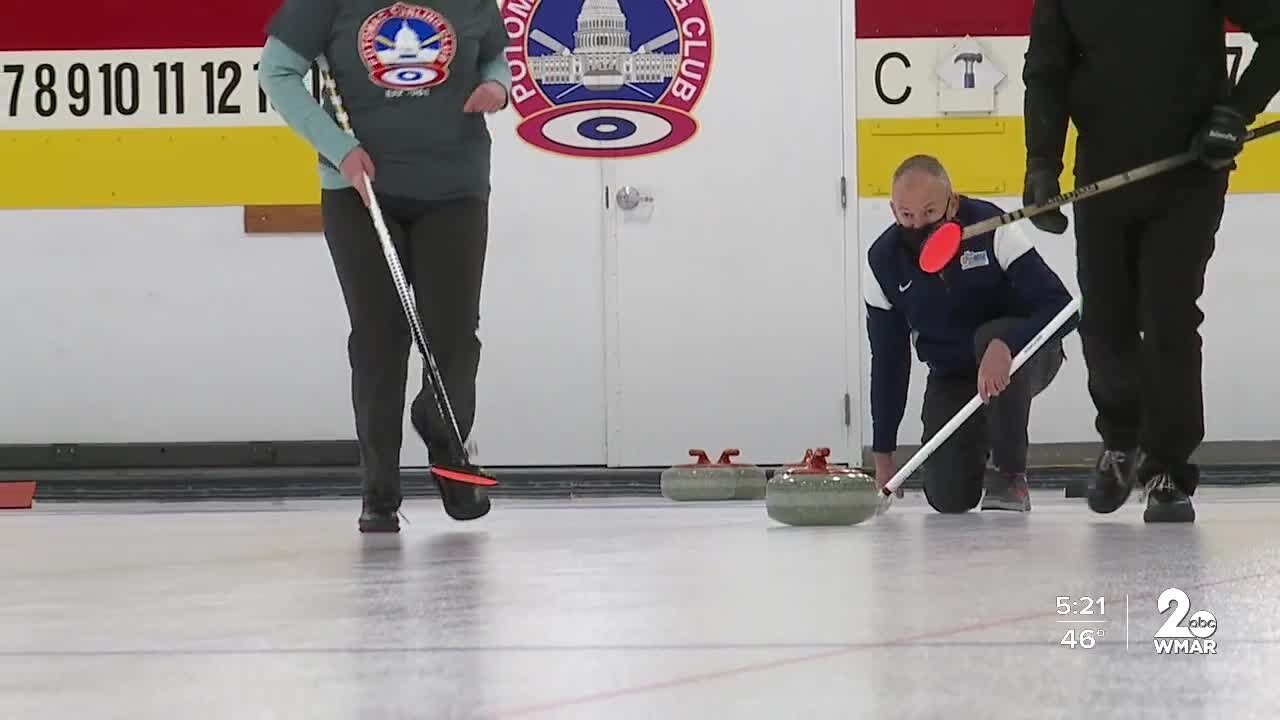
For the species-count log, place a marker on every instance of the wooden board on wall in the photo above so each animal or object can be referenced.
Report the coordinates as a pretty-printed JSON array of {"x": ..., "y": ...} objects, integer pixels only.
[{"x": 275, "y": 219}]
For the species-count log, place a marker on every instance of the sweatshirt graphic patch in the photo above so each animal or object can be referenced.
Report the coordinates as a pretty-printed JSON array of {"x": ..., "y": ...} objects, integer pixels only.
[{"x": 407, "y": 48}]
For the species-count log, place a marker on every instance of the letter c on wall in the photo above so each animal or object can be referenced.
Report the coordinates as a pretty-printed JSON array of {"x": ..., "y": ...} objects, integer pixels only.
[{"x": 906, "y": 92}]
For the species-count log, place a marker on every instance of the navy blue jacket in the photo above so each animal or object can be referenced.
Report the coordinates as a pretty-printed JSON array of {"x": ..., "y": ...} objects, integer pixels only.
[{"x": 998, "y": 274}]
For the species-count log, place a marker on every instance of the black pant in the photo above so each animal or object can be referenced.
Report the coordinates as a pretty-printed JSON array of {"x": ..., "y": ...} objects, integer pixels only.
[
  {"x": 1142, "y": 253},
  {"x": 442, "y": 250},
  {"x": 953, "y": 474}
]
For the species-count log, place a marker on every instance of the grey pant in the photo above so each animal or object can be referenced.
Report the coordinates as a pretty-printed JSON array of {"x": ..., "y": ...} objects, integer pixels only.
[
  {"x": 953, "y": 474},
  {"x": 442, "y": 248}
]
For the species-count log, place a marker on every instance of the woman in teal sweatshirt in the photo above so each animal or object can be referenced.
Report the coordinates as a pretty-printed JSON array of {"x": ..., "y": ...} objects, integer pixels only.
[{"x": 416, "y": 81}]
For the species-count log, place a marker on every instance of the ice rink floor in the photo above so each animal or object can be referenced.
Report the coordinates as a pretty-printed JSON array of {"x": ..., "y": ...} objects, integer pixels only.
[{"x": 631, "y": 609}]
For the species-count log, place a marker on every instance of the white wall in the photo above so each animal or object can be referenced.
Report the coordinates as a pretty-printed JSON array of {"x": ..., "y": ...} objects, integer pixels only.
[
  {"x": 172, "y": 325},
  {"x": 1238, "y": 384},
  {"x": 165, "y": 325}
]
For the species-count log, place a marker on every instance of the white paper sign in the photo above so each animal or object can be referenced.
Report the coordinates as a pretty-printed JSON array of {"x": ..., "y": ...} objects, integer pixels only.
[{"x": 968, "y": 76}]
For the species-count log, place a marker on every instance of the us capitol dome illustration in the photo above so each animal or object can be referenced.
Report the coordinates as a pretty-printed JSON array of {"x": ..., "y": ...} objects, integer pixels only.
[
  {"x": 408, "y": 47},
  {"x": 601, "y": 58}
]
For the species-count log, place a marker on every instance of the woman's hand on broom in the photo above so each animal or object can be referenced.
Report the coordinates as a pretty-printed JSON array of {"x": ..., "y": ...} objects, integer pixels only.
[{"x": 354, "y": 167}]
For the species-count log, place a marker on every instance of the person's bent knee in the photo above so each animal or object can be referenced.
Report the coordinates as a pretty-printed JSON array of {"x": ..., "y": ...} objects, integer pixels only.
[
  {"x": 950, "y": 493},
  {"x": 950, "y": 503},
  {"x": 458, "y": 330},
  {"x": 1173, "y": 333}
]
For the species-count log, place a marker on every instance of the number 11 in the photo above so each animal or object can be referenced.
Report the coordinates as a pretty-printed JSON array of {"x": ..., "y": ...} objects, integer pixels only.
[{"x": 179, "y": 88}]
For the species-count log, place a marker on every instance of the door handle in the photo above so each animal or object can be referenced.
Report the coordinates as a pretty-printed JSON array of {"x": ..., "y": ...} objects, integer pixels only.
[{"x": 630, "y": 198}]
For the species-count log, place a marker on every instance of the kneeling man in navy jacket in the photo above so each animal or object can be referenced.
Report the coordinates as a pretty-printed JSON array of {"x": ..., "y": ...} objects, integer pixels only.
[{"x": 968, "y": 321}]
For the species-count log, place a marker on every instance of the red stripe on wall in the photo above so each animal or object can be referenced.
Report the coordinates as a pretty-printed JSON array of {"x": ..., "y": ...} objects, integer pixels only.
[
  {"x": 945, "y": 18},
  {"x": 153, "y": 24},
  {"x": 133, "y": 25},
  {"x": 941, "y": 18}
]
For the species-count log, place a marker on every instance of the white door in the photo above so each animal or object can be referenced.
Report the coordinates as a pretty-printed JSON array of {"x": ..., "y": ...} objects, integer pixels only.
[
  {"x": 725, "y": 264},
  {"x": 541, "y": 386}
]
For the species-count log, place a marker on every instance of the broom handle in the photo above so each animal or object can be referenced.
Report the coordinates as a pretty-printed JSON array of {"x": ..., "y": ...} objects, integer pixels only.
[{"x": 1103, "y": 185}]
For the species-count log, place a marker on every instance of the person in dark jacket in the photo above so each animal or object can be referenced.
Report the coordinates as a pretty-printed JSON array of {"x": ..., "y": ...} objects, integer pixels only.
[
  {"x": 1142, "y": 250},
  {"x": 969, "y": 321}
]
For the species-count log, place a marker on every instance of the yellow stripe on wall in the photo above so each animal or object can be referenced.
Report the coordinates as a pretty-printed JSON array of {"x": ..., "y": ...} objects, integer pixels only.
[
  {"x": 987, "y": 156},
  {"x": 162, "y": 167},
  {"x": 175, "y": 167}
]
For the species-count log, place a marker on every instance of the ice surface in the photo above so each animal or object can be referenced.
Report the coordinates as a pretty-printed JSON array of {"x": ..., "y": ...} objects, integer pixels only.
[{"x": 629, "y": 609}]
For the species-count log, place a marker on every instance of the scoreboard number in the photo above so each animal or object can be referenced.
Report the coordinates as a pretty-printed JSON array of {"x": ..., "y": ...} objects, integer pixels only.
[{"x": 130, "y": 89}]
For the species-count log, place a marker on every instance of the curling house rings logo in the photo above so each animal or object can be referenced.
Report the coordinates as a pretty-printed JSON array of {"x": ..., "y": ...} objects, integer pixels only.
[
  {"x": 607, "y": 78},
  {"x": 407, "y": 47}
]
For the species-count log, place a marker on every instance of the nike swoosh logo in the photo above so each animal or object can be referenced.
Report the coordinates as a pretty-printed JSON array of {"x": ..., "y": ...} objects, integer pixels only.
[{"x": 903, "y": 288}]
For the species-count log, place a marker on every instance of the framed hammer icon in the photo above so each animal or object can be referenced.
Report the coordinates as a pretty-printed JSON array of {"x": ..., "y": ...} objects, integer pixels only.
[{"x": 969, "y": 59}]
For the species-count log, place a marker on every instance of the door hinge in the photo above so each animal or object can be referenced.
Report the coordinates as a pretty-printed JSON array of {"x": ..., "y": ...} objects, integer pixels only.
[
  {"x": 848, "y": 410},
  {"x": 844, "y": 191}
]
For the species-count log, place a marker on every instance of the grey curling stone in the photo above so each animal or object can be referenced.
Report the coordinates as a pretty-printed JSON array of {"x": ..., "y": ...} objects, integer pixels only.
[
  {"x": 822, "y": 494},
  {"x": 699, "y": 480},
  {"x": 751, "y": 479}
]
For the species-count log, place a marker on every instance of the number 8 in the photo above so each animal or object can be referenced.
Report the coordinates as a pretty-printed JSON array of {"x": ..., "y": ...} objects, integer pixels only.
[{"x": 46, "y": 98}]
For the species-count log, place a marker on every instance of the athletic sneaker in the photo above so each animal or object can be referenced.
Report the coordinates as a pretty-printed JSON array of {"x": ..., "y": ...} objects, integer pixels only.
[
  {"x": 1166, "y": 502},
  {"x": 1113, "y": 479},
  {"x": 1006, "y": 491}
]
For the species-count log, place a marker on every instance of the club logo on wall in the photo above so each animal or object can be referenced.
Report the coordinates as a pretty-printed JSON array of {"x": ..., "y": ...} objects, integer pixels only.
[
  {"x": 607, "y": 78},
  {"x": 407, "y": 47}
]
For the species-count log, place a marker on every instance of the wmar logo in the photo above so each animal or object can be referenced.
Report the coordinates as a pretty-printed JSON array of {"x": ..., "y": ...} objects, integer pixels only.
[
  {"x": 607, "y": 78},
  {"x": 1195, "y": 637}
]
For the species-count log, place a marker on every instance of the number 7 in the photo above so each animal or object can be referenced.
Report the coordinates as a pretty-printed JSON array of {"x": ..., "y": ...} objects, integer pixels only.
[
  {"x": 17, "y": 88},
  {"x": 1236, "y": 53}
]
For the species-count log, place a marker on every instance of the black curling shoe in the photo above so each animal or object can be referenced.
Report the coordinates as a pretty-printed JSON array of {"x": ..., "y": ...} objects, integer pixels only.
[
  {"x": 462, "y": 501},
  {"x": 1166, "y": 502},
  {"x": 379, "y": 521},
  {"x": 1113, "y": 480}
]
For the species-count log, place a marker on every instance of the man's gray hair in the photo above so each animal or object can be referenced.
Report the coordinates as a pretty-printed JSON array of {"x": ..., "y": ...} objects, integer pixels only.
[{"x": 927, "y": 164}]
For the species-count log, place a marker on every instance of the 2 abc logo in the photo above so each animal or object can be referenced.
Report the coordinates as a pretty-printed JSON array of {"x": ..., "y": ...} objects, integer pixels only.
[{"x": 1195, "y": 637}]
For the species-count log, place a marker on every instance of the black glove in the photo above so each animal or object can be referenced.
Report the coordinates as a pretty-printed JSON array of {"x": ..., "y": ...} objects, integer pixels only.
[
  {"x": 1221, "y": 138},
  {"x": 1040, "y": 185}
]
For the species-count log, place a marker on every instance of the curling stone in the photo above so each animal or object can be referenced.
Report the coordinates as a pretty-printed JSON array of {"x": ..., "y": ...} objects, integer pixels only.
[
  {"x": 700, "y": 480},
  {"x": 751, "y": 479},
  {"x": 822, "y": 494},
  {"x": 808, "y": 453}
]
